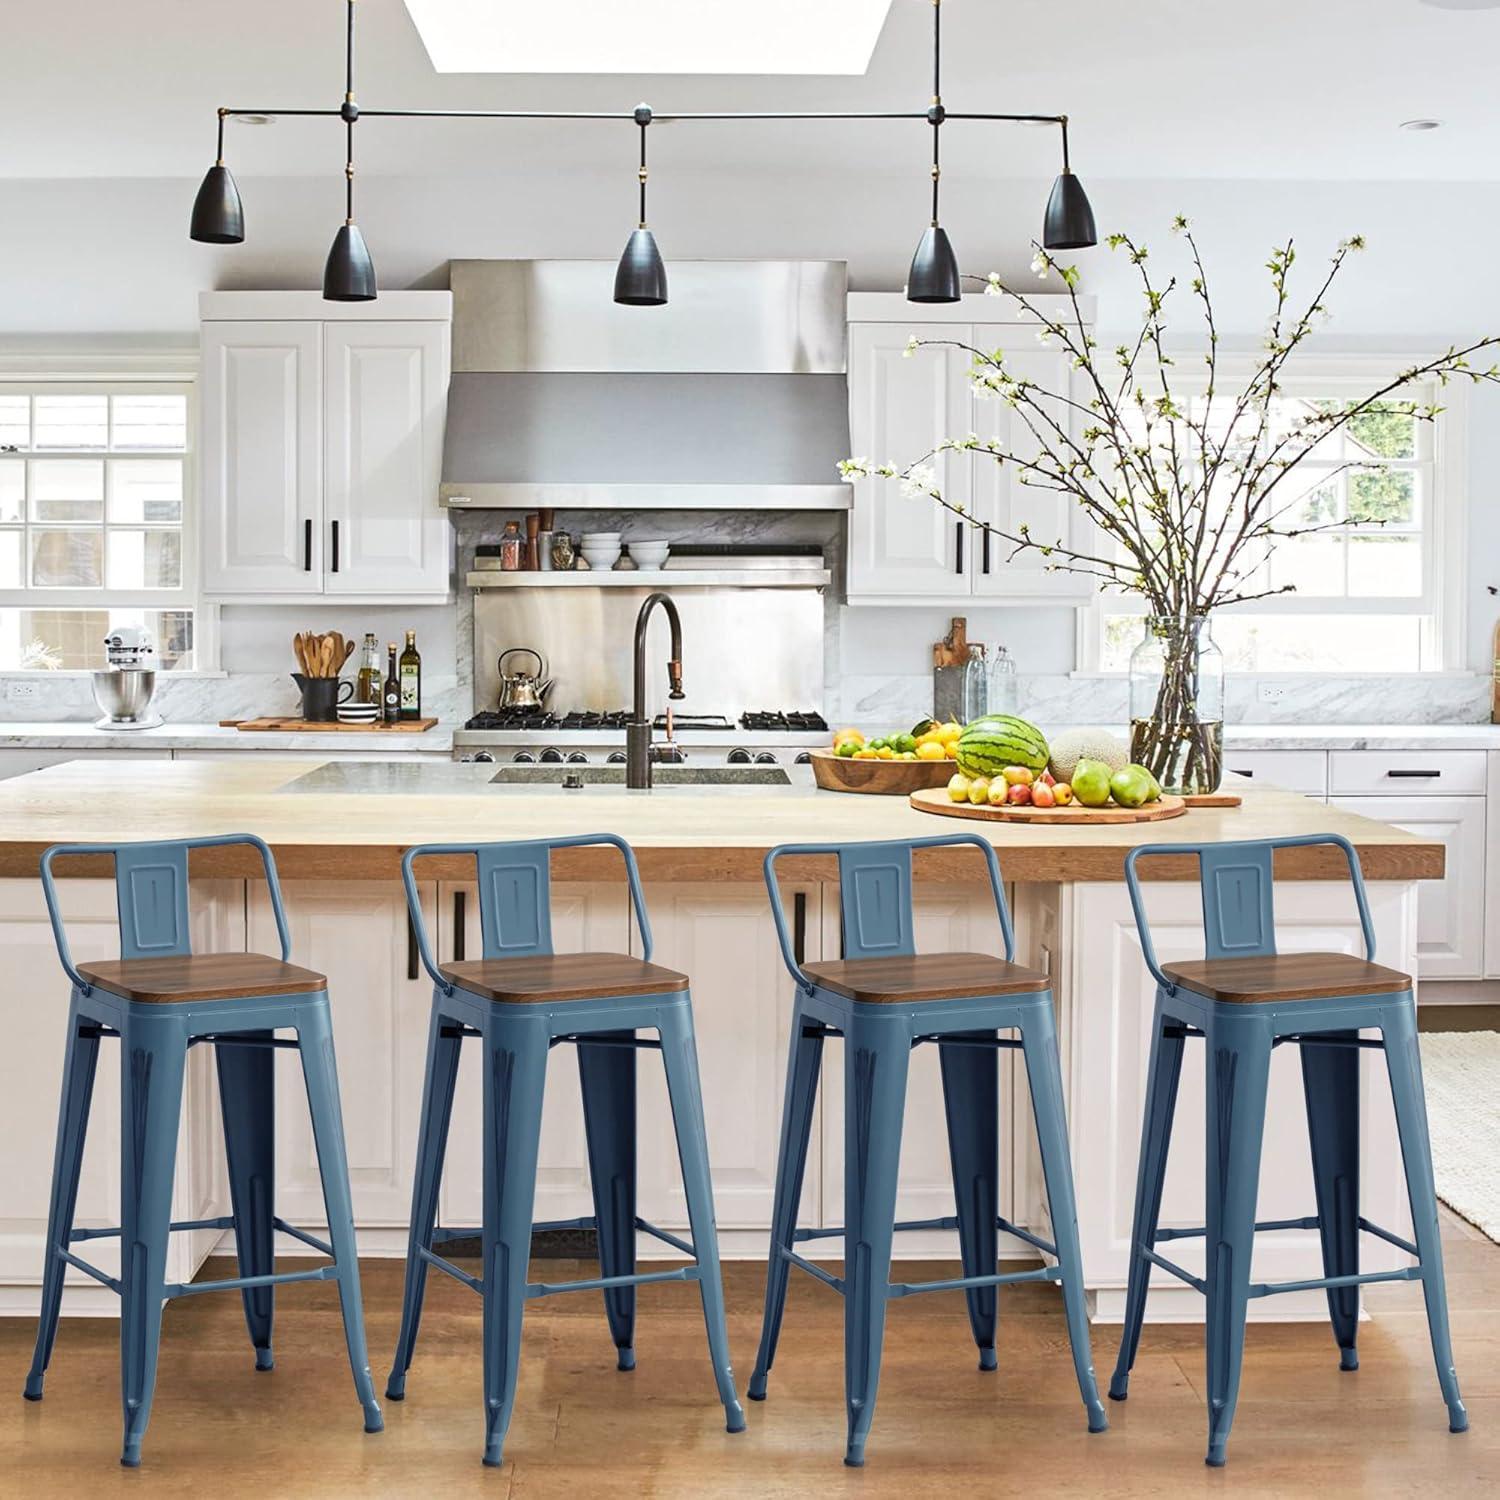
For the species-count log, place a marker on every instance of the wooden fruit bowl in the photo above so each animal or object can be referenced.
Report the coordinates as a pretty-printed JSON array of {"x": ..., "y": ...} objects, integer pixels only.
[
  {"x": 881, "y": 778},
  {"x": 931, "y": 801}
]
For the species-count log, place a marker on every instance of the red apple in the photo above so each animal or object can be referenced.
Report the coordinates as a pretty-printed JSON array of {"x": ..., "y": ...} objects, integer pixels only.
[
  {"x": 1019, "y": 795},
  {"x": 1042, "y": 795}
]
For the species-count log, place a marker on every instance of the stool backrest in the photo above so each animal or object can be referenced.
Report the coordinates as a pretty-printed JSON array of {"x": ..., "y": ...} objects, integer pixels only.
[
  {"x": 515, "y": 894},
  {"x": 1237, "y": 891},
  {"x": 875, "y": 895},
  {"x": 151, "y": 895}
]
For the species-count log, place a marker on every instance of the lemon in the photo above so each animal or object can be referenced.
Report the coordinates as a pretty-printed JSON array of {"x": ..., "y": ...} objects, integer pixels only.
[{"x": 930, "y": 750}]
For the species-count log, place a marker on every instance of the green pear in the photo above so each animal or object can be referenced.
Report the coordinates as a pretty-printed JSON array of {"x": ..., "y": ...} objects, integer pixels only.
[
  {"x": 1091, "y": 783},
  {"x": 1131, "y": 786}
]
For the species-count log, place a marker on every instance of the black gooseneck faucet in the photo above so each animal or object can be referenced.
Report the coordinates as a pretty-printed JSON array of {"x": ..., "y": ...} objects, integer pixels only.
[{"x": 638, "y": 730}]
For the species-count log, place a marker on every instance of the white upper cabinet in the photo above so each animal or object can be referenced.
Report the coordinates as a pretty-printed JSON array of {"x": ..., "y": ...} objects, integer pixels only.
[
  {"x": 910, "y": 549},
  {"x": 322, "y": 446}
]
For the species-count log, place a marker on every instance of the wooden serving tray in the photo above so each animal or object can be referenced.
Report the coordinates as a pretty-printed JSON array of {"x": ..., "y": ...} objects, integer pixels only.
[
  {"x": 334, "y": 726},
  {"x": 939, "y": 802},
  {"x": 1214, "y": 799},
  {"x": 882, "y": 778}
]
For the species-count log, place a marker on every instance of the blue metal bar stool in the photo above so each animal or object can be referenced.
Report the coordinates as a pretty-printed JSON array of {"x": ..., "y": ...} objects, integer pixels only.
[
  {"x": 519, "y": 1001},
  {"x": 159, "y": 999},
  {"x": 1242, "y": 999},
  {"x": 884, "y": 999}
]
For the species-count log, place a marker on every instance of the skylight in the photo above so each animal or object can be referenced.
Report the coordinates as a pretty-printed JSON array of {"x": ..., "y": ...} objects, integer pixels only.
[{"x": 649, "y": 36}]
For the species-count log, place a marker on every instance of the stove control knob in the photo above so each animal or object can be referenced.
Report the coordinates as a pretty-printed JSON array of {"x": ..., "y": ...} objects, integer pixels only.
[
  {"x": 765, "y": 758},
  {"x": 804, "y": 759},
  {"x": 482, "y": 758},
  {"x": 523, "y": 758},
  {"x": 615, "y": 758},
  {"x": 739, "y": 757},
  {"x": 577, "y": 758},
  {"x": 551, "y": 757}
]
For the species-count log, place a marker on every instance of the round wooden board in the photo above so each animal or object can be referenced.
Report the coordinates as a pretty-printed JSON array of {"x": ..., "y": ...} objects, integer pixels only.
[
  {"x": 938, "y": 801},
  {"x": 881, "y": 778}
]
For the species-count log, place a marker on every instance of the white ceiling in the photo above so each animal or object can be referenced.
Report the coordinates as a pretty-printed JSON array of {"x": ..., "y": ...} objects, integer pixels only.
[{"x": 1156, "y": 89}]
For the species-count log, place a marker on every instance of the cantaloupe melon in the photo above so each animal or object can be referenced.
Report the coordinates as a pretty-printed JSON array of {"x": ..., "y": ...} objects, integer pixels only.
[{"x": 1070, "y": 746}]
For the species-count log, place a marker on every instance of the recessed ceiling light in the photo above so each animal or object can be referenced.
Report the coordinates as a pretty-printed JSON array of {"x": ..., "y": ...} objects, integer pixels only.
[
  {"x": 649, "y": 36},
  {"x": 1463, "y": 4},
  {"x": 1420, "y": 125}
]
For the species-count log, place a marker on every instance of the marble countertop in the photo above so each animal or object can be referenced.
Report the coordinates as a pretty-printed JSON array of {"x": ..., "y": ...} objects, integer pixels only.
[
  {"x": 69, "y": 735},
  {"x": 1362, "y": 736}
]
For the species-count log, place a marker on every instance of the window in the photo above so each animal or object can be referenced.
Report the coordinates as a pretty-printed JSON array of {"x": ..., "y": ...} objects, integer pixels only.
[
  {"x": 1377, "y": 580},
  {"x": 96, "y": 522}
]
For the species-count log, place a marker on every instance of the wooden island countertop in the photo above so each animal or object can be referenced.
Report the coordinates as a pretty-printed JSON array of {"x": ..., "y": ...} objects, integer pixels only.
[{"x": 350, "y": 821}]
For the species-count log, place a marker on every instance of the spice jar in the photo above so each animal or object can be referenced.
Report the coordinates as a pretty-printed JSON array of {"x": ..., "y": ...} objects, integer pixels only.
[
  {"x": 562, "y": 552},
  {"x": 510, "y": 548}
]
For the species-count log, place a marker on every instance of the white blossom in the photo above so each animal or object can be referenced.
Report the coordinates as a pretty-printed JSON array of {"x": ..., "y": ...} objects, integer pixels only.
[
  {"x": 1041, "y": 264},
  {"x": 912, "y": 345},
  {"x": 920, "y": 479},
  {"x": 992, "y": 285}
]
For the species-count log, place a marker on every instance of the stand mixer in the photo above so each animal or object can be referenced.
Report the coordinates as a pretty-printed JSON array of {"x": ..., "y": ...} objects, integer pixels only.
[{"x": 123, "y": 690}]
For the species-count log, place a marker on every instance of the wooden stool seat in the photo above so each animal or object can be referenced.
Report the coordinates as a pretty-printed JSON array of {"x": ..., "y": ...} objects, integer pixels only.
[
  {"x": 901, "y": 979},
  {"x": 175, "y": 978},
  {"x": 1286, "y": 976},
  {"x": 562, "y": 976}
]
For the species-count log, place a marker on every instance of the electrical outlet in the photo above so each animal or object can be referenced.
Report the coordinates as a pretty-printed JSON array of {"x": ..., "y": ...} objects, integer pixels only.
[
  {"x": 21, "y": 692},
  {"x": 1271, "y": 692}
]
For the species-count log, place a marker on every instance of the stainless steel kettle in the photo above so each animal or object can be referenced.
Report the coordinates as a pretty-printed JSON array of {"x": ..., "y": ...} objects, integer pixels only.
[{"x": 523, "y": 689}]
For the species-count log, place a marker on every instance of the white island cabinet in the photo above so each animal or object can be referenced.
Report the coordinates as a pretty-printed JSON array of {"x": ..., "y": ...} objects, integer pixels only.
[{"x": 322, "y": 447}]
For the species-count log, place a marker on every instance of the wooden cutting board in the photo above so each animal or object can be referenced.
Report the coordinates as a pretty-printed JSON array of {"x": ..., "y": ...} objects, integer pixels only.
[
  {"x": 881, "y": 778},
  {"x": 938, "y": 801},
  {"x": 1214, "y": 799},
  {"x": 309, "y": 726}
]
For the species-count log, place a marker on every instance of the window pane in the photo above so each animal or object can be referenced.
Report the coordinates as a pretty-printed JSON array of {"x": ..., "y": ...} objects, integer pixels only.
[
  {"x": 150, "y": 421},
  {"x": 15, "y": 421},
  {"x": 10, "y": 560},
  {"x": 66, "y": 559},
  {"x": 1384, "y": 432},
  {"x": 12, "y": 489},
  {"x": 73, "y": 639},
  {"x": 1320, "y": 643},
  {"x": 1389, "y": 497},
  {"x": 1310, "y": 564},
  {"x": 67, "y": 489},
  {"x": 145, "y": 559},
  {"x": 72, "y": 421},
  {"x": 147, "y": 491},
  {"x": 1385, "y": 566}
]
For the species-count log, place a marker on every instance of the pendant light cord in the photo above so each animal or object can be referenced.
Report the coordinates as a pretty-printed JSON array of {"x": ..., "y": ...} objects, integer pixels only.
[
  {"x": 350, "y": 114},
  {"x": 937, "y": 103},
  {"x": 643, "y": 176}
]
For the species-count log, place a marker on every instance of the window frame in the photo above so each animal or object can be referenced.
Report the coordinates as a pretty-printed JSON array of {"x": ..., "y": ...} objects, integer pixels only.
[
  {"x": 122, "y": 376},
  {"x": 1443, "y": 603}
]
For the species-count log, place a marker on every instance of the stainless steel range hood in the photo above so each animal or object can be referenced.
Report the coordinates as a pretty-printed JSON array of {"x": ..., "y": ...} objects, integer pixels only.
[{"x": 733, "y": 396}]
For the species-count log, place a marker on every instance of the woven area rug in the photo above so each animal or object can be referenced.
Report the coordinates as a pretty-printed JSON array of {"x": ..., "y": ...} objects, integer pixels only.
[{"x": 1461, "y": 1070}]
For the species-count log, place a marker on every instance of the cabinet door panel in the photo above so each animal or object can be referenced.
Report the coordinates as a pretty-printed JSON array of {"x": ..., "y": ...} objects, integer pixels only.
[
  {"x": 1450, "y": 911},
  {"x": 355, "y": 934},
  {"x": 385, "y": 390},
  {"x": 900, "y": 408},
  {"x": 585, "y": 918},
  {"x": 723, "y": 939},
  {"x": 262, "y": 458},
  {"x": 1492, "y": 872}
]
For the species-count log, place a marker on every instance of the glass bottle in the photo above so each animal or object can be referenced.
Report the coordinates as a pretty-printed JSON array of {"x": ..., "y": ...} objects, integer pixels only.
[
  {"x": 391, "y": 697},
  {"x": 1177, "y": 704},
  {"x": 976, "y": 686},
  {"x": 411, "y": 679},
  {"x": 1005, "y": 688},
  {"x": 367, "y": 684},
  {"x": 511, "y": 547}
]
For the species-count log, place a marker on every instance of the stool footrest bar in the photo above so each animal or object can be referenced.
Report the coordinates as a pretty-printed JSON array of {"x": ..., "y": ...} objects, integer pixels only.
[
  {"x": 472, "y": 1282},
  {"x": 224, "y": 1222},
  {"x": 906, "y": 1226},
  {"x": 1319, "y": 1283},
  {"x": 963, "y": 1283},
  {"x": 241, "y": 1283},
  {"x": 604, "y": 1283},
  {"x": 1309, "y": 1221},
  {"x": 667, "y": 1239},
  {"x": 1174, "y": 1269},
  {"x": 82, "y": 1265},
  {"x": 1390, "y": 1239},
  {"x": 301, "y": 1234},
  {"x": 812, "y": 1269}
]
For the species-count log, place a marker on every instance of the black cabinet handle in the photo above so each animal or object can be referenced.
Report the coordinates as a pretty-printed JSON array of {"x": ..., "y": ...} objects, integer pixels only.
[
  {"x": 458, "y": 926},
  {"x": 411, "y": 948},
  {"x": 1239, "y": 772},
  {"x": 335, "y": 546},
  {"x": 1414, "y": 775},
  {"x": 986, "y": 561},
  {"x": 958, "y": 566},
  {"x": 307, "y": 545},
  {"x": 799, "y": 927}
]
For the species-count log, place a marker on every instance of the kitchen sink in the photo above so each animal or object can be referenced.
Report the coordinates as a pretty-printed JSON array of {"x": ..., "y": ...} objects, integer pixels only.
[{"x": 661, "y": 776}]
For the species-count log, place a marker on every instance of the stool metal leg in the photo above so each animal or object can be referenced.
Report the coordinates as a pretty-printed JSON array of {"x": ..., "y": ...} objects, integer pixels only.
[
  {"x": 153, "y": 1051},
  {"x": 876, "y": 1056},
  {"x": 79, "y": 1063},
  {"x": 1162, "y": 1075},
  {"x": 971, "y": 1100},
  {"x": 443, "y": 1047},
  {"x": 1404, "y": 1063},
  {"x": 1044, "y": 1074},
  {"x": 680, "y": 1055},
  {"x": 606, "y": 1076},
  {"x": 247, "y": 1101},
  {"x": 315, "y": 1033},
  {"x": 804, "y": 1063},
  {"x": 515, "y": 1072},
  {"x": 1330, "y": 1082},
  {"x": 1237, "y": 1059}
]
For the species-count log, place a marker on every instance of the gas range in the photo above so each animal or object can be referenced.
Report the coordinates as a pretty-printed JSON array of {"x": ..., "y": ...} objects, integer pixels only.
[{"x": 581, "y": 737}]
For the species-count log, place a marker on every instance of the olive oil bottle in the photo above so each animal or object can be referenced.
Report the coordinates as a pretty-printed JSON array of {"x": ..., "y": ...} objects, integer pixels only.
[
  {"x": 411, "y": 679},
  {"x": 391, "y": 695}
]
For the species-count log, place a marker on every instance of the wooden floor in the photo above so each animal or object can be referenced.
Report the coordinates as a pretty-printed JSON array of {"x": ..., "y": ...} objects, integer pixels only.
[{"x": 582, "y": 1430}]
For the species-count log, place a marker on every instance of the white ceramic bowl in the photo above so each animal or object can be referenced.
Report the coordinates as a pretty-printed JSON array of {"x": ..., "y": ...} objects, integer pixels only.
[
  {"x": 650, "y": 554},
  {"x": 601, "y": 558},
  {"x": 603, "y": 538}
]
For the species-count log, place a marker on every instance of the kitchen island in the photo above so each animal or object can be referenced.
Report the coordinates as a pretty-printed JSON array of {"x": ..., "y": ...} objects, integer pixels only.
[{"x": 338, "y": 832}]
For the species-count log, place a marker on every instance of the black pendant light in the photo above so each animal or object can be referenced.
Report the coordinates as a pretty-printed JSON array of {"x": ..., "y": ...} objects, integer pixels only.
[
  {"x": 641, "y": 277},
  {"x": 1069, "y": 223},
  {"x": 349, "y": 273},
  {"x": 934, "y": 268},
  {"x": 218, "y": 215}
]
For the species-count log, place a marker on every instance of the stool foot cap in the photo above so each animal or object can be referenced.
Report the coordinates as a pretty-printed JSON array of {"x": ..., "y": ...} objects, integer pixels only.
[
  {"x": 1098, "y": 1422},
  {"x": 987, "y": 1360},
  {"x": 264, "y": 1360},
  {"x": 374, "y": 1422},
  {"x": 757, "y": 1391},
  {"x": 33, "y": 1389},
  {"x": 492, "y": 1461},
  {"x": 1214, "y": 1458},
  {"x": 395, "y": 1388},
  {"x": 1119, "y": 1387},
  {"x": 1348, "y": 1359},
  {"x": 853, "y": 1461},
  {"x": 734, "y": 1418},
  {"x": 626, "y": 1360},
  {"x": 131, "y": 1458},
  {"x": 1458, "y": 1418}
]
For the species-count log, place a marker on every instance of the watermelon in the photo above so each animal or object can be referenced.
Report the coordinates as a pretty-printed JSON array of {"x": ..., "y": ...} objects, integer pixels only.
[{"x": 990, "y": 744}]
